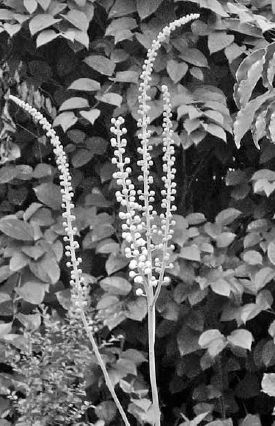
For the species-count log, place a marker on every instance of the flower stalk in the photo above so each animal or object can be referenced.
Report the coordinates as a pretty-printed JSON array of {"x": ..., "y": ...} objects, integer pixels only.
[{"x": 79, "y": 289}]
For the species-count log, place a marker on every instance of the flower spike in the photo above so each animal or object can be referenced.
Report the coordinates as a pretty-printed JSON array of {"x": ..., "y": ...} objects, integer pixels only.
[{"x": 139, "y": 227}]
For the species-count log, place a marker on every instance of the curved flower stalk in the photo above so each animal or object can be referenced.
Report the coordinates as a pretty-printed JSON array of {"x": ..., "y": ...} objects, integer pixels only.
[
  {"x": 149, "y": 259},
  {"x": 79, "y": 290},
  {"x": 148, "y": 196},
  {"x": 139, "y": 227}
]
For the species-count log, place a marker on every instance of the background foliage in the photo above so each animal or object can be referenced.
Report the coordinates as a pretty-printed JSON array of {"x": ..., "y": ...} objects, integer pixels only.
[{"x": 78, "y": 62}]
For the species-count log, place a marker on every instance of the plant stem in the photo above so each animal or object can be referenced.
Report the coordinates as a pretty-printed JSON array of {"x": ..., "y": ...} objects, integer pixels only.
[
  {"x": 104, "y": 369},
  {"x": 152, "y": 362}
]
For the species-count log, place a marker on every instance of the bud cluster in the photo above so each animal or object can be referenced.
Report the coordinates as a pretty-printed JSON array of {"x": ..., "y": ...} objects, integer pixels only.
[
  {"x": 79, "y": 291},
  {"x": 147, "y": 240}
]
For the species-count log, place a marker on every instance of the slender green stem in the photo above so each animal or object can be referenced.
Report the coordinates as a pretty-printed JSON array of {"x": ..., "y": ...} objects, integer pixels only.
[
  {"x": 152, "y": 362},
  {"x": 104, "y": 369}
]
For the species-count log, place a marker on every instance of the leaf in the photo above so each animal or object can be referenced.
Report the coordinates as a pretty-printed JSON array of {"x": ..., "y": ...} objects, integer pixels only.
[
  {"x": 212, "y": 340},
  {"x": 215, "y": 116},
  {"x": 110, "y": 98},
  {"x": 46, "y": 37},
  {"x": 247, "y": 75},
  {"x": 4, "y": 297},
  {"x": 8, "y": 173},
  {"x": 33, "y": 251},
  {"x": 251, "y": 420},
  {"x": 219, "y": 40},
  {"x": 107, "y": 246},
  {"x": 115, "y": 262},
  {"x": 5, "y": 328},
  {"x": 74, "y": 103},
  {"x": 85, "y": 84},
  {"x": 96, "y": 145},
  {"x": 122, "y": 8},
  {"x": 249, "y": 311},
  {"x": 268, "y": 73},
  {"x": 215, "y": 6},
  {"x": 120, "y": 25},
  {"x": 263, "y": 277},
  {"x": 234, "y": 51},
  {"x": 65, "y": 120},
  {"x": 271, "y": 252},
  {"x": 44, "y": 4},
  {"x": 197, "y": 73},
  {"x": 49, "y": 194},
  {"x": 81, "y": 157},
  {"x": 244, "y": 119},
  {"x": 77, "y": 136},
  {"x": 11, "y": 29},
  {"x": 5, "y": 273},
  {"x": 127, "y": 77},
  {"x": 6, "y": 15},
  {"x": 221, "y": 287},
  {"x": 136, "y": 309},
  {"x": 46, "y": 269},
  {"x": 91, "y": 115},
  {"x": 116, "y": 286},
  {"x": 16, "y": 229},
  {"x": 30, "y": 5},
  {"x": 262, "y": 185},
  {"x": 100, "y": 64},
  {"x": 241, "y": 338},
  {"x": 64, "y": 298},
  {"x": 32, "y": 291},
  {"x": 195, "y": 218},
  {"x": 146, "y": 8},
  {"x": 111, "y": 310},
  {"x": 107, "y": 301},
  {"x": 259, "y": 225},
  {"x": 215, "y": 130},
  {"x": 106, "y": 172},
  {"x": 264, "y": 174},
  {"x": 268, "y": 384},
  {"x": 176, "y": 70},
  {"x": 191, "y": 253},
  {"x": 264, "y": 299},
  {"x": 271, "y": 125},
  {"x": 41, "y": 21},
  {"x": 194, "y": 57},
  {"x": 268, "y": 353},
  {"x": 18, "y": 261},
  {"x": 187, "y": 340},
  {"x": 81, "y": 36},
  {"x": 227, "y": 216},
  {"x": 259, "y": 126},
  {"x": 271, "y": 329},
  {"x": 225, "y": 239},
  {"x": 78, "y": 19},
  {"x": 253, "y": 257}
]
